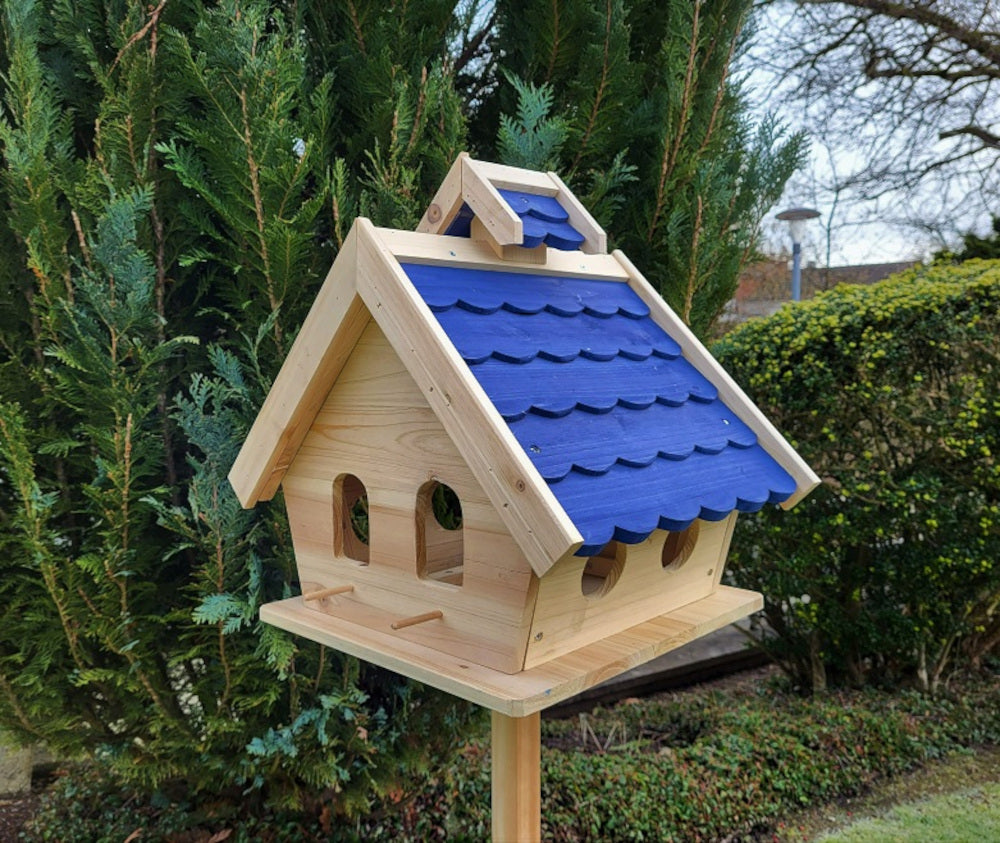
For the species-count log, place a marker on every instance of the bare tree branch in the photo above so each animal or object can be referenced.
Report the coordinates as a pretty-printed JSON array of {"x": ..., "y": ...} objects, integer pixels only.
[{"x": 910, "y": 90}]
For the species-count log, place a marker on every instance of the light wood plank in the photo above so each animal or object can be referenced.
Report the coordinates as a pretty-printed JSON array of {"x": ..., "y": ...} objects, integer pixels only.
[
  {"x": 516, "y": 781},
  {"x": 566, "y": 619},
  {"x": 323, "y": 593},
  {"x": 376, "y": 425},
  {"x": 504, "y": 177},
  {"x": 415, "y": 247},
  {"x": 535, "y": 255},
  {"x": 731, "y": 393},
  {"x": 519, "y": 694},
  {"x": 489, "y": 207},
  {"x": 527, "y": 506},
  {"x": 447, "y": 202},
  {"x": 595, "y": 240},
  {"x": 335, "y": 321}
]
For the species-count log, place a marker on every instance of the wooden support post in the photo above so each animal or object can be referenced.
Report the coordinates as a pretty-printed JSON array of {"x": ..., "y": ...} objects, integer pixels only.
[{"x": 517, "y": 783}]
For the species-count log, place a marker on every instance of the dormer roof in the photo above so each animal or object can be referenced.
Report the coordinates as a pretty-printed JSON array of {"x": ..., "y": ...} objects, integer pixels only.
[{"x": 582, "y": 404}]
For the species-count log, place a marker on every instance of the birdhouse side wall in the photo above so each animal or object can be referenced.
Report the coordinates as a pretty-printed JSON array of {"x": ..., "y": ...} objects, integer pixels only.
[
  {"x": 377, "y": 428},
  {"x": 581, "y": 601}
]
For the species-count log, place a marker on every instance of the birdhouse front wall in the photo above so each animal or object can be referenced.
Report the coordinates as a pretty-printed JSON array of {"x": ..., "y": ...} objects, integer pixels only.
[
  {"x": 376, "y": 434},
  {"x": 581, "y": 601}
]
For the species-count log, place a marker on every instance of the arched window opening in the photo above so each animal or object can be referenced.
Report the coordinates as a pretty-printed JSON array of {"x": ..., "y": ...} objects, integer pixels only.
[
  {"x": 678, "y": 547},
  {"x": 440, "y": 534},
  {"x": 603, "y": 570},
  {"x": 352, "y": 529}
]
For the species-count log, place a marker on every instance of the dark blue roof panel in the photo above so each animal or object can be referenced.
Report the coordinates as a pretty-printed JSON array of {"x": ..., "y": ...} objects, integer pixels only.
[
  {"x": 627, "y": 433},
  {"x": 543, "y": 220}
]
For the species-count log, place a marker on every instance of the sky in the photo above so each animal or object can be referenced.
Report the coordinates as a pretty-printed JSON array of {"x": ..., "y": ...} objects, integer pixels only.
[{"x": 848, "y": 231}]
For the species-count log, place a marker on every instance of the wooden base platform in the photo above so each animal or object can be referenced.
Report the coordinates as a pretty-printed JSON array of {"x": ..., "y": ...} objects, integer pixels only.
[{"x": 524, "y": 693}]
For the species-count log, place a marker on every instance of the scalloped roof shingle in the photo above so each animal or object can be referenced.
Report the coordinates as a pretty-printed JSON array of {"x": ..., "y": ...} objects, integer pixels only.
[
  {"x": 543, "y": 220},
  {"x": 628, "y": 435}
]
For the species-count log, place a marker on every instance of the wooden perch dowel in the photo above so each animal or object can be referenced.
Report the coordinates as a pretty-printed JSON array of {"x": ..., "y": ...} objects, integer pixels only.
[
  {"x": 327, "y": 592},
  {"x": 426, "y": 616}
]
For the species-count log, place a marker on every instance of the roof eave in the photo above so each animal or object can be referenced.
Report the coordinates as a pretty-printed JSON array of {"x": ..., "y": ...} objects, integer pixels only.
[
  {"x": 731, "y": 393},
  {"x": 327, "y": 337}
]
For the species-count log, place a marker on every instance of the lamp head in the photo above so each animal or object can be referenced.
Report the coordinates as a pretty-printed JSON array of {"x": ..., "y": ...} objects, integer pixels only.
[{"x": 796, "y": 219}]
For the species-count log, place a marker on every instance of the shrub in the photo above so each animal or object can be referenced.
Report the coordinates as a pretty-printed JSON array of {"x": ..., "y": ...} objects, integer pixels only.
[
  {"x": 705, "y": 765},
  {"x": 700, "y": 765},
  {"x": 889, "y": 571}
]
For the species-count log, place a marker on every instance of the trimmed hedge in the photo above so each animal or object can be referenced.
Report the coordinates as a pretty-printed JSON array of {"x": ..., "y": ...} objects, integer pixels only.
[
  {"x": 707, "y": 765},
  {"x": 702, "y": 765},
  {"x": 888, "y": 572}
]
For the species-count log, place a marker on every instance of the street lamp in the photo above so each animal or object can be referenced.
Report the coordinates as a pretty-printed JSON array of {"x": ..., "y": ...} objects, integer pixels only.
[{"x": 796, "y": 219}]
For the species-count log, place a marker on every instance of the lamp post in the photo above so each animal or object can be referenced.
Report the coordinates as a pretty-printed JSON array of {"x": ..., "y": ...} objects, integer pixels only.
[{"x": 796, "y": 219}]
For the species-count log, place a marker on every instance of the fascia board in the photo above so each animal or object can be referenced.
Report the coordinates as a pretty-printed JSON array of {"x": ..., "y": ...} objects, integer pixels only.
[{"x": 529, "y": 509}]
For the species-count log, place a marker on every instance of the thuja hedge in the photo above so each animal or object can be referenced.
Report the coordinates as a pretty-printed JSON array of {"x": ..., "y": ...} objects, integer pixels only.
[
  {"x": 889, "y": 571},
  {"x": 704, "y": 765}
]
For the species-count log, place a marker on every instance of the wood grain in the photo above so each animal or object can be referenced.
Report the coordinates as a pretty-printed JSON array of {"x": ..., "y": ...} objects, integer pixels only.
[
  {"x": 377, "y": 426},
  {"x": 566, "y": 619},
  {"x": 527, "y": 506},
  {"x": 516, "y": 784},
  {"x": 504, "y": 177},
  {"x": 489, "y": 207},
  {"x": 322, "y": 347},
  {"x": 414, "y": 247},
  {"x": 447, "y": 201},
  {"x": 531, "y": 690}
]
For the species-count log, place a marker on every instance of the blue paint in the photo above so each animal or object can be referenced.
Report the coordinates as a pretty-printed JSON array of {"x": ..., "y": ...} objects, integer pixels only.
[
  {"x": 461, "y": 226},
  {"x": 592, "y": 386},
  {"x": 592, "y": 443},
  {"x": 509, "y": 336},
  {"x": 543, "y": 220},
  {"x": 481, "y": 291},
  {"x": 627, "y": 433},
  {"x": 544, "y": 208}
]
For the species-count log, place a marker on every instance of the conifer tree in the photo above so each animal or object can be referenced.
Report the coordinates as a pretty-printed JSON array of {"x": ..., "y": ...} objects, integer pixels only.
[
  {"x": 175, "y": 179},
  {"x": 659, "y": 139}
]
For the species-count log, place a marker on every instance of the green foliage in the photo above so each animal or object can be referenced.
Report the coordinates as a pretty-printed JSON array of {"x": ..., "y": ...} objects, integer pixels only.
[
  {"x": 975, "y": 247},
  {"x": 887, "y": 572},
  {"x": 705, "y": 765},
  {"x": 533, "y": 138},
  {"x": 166, "y": 181},
  {"x": 175, "y": 179},
  {"x": 246, "y": 146},
  {"x": 970, "y": 814},
  {"x": 637, "y": 106}
]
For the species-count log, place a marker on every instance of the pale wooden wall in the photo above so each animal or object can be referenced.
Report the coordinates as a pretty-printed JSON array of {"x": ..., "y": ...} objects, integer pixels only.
[
  {"x": 376, "y": 424},
  {"x": 566, "y": 619}
]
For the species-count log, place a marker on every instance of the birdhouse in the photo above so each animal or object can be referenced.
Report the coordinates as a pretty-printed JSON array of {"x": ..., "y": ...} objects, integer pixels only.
[{"x": 511, "y": 471}]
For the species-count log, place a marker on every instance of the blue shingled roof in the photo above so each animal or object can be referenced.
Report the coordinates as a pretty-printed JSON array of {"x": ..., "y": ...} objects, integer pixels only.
[
  {"x": 627, "y": 433},
  {"x": 543, "y": 220}
]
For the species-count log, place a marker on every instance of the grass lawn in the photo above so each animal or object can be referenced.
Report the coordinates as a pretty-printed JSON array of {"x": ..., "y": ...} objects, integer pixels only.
[
  {"x": 967, "y": 815},
  {"x": 955, "y": 799}
]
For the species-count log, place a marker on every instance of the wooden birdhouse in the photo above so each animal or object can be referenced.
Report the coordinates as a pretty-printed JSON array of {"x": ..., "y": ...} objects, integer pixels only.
[{"x": 590, "y": 456}]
